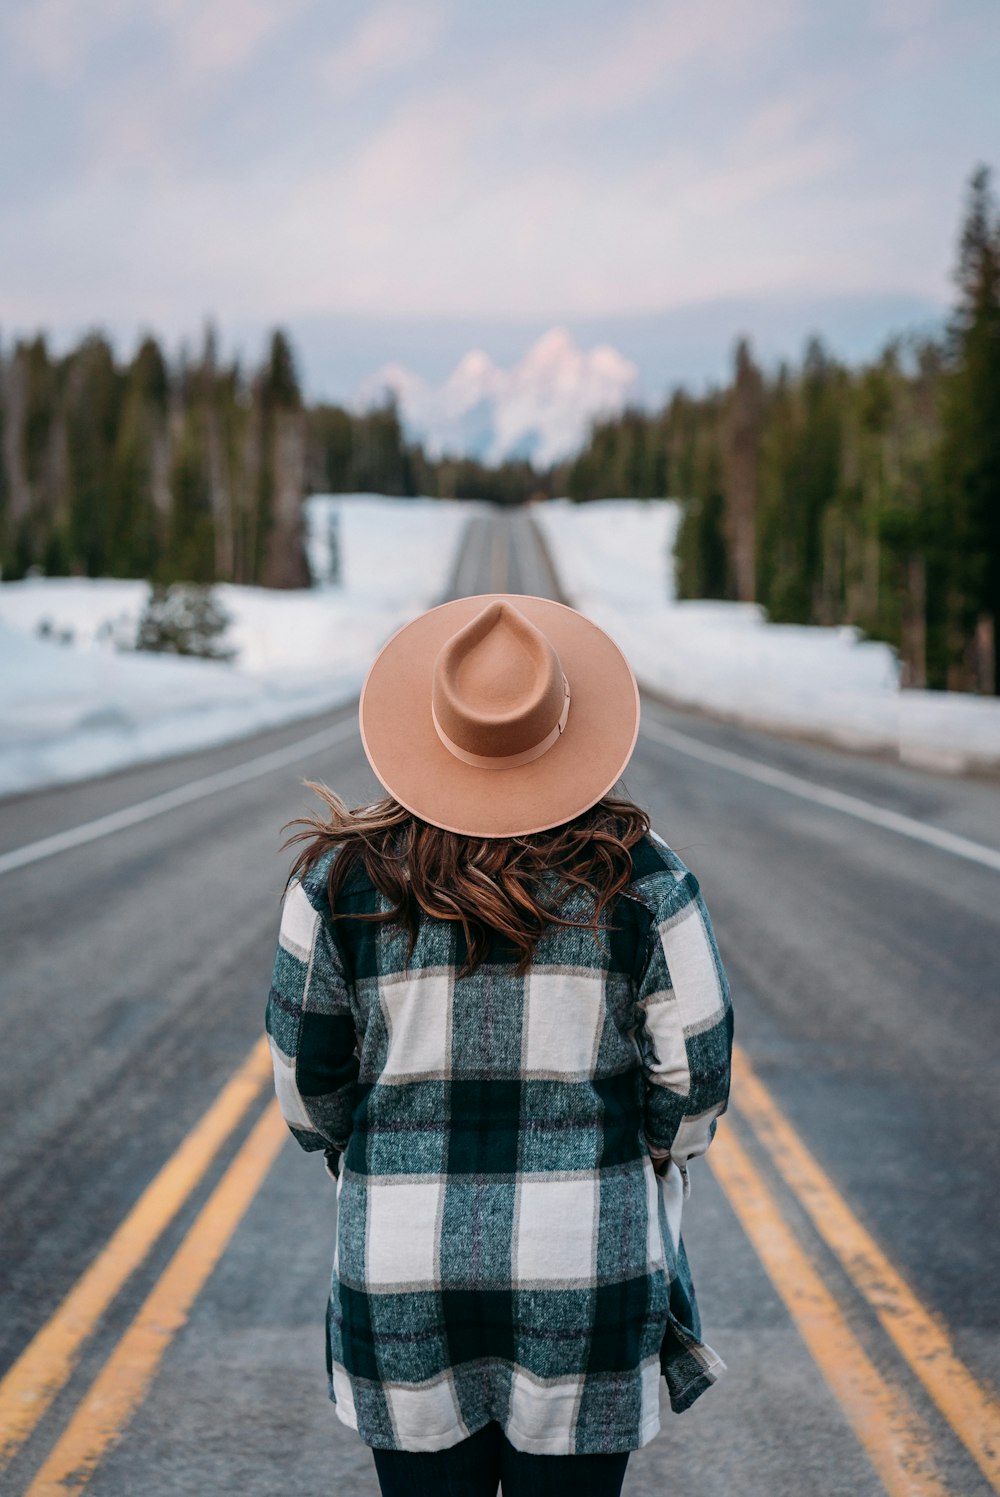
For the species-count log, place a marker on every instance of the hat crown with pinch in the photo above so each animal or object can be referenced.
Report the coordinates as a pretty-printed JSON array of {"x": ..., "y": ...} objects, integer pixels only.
[{"x": 499, "y": 695}]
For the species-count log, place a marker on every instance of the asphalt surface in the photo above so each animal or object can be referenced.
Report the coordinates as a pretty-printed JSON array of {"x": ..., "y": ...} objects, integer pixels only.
[{"x": 863, "y": 966}]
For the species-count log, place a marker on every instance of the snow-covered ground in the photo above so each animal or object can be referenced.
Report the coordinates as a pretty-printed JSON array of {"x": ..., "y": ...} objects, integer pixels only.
[
  {"x": 615, "y": 559},
  {"x": 73, "y": 705},
  {"x": 81, "y": 707}
]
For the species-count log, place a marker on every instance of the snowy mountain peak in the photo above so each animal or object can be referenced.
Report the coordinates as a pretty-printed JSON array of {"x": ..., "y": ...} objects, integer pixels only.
[
  {"x": 539, "y": 409},
  {"x": 608, "y": 361},
  {"x": 391, "y": 379},
  {"x": 553, "y": 348},
  {"x": 474, "y": 365}
]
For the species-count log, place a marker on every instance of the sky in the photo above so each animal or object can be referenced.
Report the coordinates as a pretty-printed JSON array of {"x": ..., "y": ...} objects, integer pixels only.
[{"x": 409, "y": 179}]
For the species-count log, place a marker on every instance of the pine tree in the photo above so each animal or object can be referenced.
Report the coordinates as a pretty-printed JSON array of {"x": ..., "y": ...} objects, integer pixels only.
[
  {"x": 701, "y": 553},
  {"x": 30, "y": 393},
  {"x": 93, "y": 402},
  {"x": 331, "y": 435},
  {"x": 134, "y": 524},
  {"x": 971, "y": 448},
  {"x": 281, "y": 474},
  {"x": 189, "y": 555},
  {"x": 801, "y": 457},
  {"x": 741, "y": 438},
  {"x": 380, "y": 461}
]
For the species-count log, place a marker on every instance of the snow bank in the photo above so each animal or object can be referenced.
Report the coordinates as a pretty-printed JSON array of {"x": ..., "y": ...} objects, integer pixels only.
[
  {"x": 82, "y": 707},
  {"x": 615, "y": 559}
]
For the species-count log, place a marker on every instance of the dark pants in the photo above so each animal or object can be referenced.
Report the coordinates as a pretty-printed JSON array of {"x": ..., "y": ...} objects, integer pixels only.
[{"x": 477, "y": 1466}]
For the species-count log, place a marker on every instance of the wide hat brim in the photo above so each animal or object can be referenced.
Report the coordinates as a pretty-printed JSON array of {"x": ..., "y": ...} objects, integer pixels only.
[{"x": 413, "y": 764}]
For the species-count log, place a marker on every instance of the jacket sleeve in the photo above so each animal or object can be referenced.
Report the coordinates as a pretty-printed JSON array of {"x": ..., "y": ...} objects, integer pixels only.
[
  {"x": 310, "y": 1029},
  {"x": 685, "y": 1027}
]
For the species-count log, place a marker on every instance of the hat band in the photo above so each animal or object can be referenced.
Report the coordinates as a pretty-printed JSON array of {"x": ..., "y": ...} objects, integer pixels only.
[{"x": 505, "y": 761}]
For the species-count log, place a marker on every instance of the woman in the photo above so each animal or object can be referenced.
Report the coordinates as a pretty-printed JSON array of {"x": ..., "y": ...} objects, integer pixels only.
[{"x": 498, "y": 1007}]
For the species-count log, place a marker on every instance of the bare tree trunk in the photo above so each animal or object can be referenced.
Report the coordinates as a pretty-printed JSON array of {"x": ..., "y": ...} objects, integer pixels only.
[
  {"x": 15, "y": 397},
  {"x": 220, "y": 495},
  {"x": 160, "y": 472},
  {"x": 872, "y": 563},
  {"x": 985, "y": 654},
  {"x": 253, "y": 451},
  {"x": 285, "y": 563},
  {"x": 57, "y": 480},
  {"x": 914, "y": 624},
  {"x": 741, "y": 435}
]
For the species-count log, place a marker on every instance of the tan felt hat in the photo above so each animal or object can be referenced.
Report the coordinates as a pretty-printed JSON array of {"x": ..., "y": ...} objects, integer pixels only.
[{"x": 499, "y": 715}]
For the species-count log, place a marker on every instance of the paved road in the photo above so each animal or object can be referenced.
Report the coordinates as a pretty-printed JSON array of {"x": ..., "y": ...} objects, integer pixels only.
[{"x": 862, "y": 1145}]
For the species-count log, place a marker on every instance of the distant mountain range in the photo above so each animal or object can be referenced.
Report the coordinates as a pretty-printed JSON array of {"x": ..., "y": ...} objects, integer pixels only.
[
  {"x": 689, "y": 345},
  {"x": 539, "y": 409}
]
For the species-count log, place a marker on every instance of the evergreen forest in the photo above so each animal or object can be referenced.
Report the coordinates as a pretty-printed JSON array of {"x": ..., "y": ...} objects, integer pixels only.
[
  {"x": 830, "y": 495},
  {"x": 865, "y": 496}
]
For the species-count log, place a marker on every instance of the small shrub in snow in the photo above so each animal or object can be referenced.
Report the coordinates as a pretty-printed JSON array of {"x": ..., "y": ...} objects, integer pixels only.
[
  {"x": 333, "y": 566},
  {"x": 184, "y": 618},
  {"x": 46, "y": 629},
  {"x": 117, "y": 633}
]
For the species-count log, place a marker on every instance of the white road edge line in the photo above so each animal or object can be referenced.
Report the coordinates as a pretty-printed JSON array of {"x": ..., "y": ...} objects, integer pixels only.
[
  {"x": 821, "y": 795},
  {"x": 182, "y": 795},
  {"x": 252, "y": 769}
]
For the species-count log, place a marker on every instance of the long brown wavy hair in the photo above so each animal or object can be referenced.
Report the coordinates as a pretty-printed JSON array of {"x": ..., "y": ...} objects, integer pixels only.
[{"x": 487, "y": 884}]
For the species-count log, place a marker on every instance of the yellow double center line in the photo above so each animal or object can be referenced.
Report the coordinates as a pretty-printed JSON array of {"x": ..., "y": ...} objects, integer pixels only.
[
  {"x": 125, "y": 1378},
  {"x": 882, "y": 1416},
  {"x": 48, "y": 1361}
]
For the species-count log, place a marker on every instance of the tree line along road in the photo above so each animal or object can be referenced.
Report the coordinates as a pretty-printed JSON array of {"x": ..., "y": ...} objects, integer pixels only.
[{"x": 165, "y": 1253}]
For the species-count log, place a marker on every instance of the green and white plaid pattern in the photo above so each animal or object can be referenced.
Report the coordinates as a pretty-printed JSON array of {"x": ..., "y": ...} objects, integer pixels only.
[{"x": 505, "y": 1247}]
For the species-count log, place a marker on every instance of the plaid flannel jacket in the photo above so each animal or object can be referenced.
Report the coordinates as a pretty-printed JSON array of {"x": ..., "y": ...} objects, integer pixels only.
[{"x": 515, "y": 1155}]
